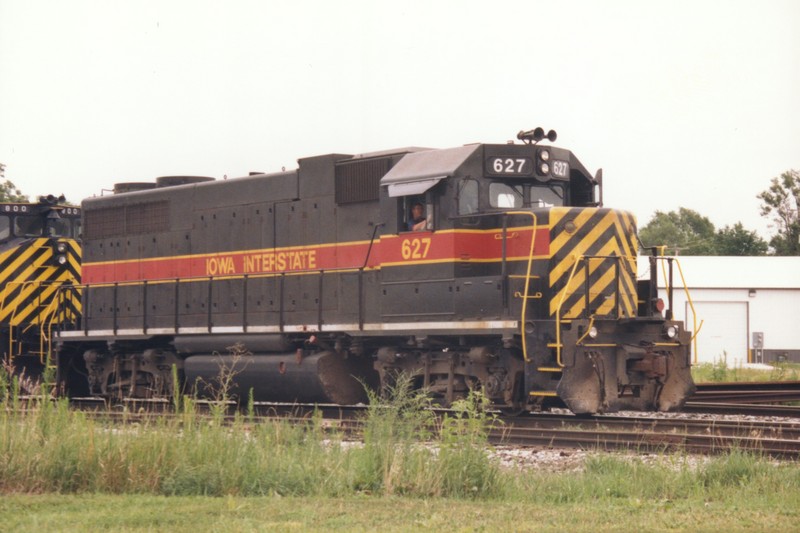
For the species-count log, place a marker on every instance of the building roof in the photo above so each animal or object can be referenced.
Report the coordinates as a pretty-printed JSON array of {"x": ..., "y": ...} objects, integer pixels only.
[{"x": 729, "y": 272}]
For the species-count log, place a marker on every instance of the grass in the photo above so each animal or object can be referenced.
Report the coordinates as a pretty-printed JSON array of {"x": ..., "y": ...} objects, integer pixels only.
[
  {"x": 62, "y": 471},
  {"x": 191, "y": 514},
  {"x": 719, "y": 371},
  {"x": 50, "y": 448}
]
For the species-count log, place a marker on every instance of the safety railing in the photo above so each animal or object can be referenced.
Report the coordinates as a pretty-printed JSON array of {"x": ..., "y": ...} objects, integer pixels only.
[
  {"x": 172, "y": 320},
  {"x": 525, "y": 295},
  {"x": 666, "y": 267},
  {"x": 587, "y": 312},
  {"x": 42, "y": 296}
]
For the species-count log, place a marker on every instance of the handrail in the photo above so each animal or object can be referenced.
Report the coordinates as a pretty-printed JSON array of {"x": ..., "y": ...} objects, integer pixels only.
[
  {"x": 695, "y": 327},
  {"x": 578, "y": 260},
  {"x": 49, "y": 316},
  {"x": 40, "y": 318},
  {"x": 527, "y": 281},
  {"x": 14, "y": 312}
]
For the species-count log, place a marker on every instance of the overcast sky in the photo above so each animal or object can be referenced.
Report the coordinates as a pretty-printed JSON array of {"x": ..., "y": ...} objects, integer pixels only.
[{"x": 682, "y": 103}]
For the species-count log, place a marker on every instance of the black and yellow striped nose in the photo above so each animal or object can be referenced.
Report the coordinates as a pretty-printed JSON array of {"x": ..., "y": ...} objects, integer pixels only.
[
  {"x": 30, "y": 277},
  {"x": 593, "y": 263}
]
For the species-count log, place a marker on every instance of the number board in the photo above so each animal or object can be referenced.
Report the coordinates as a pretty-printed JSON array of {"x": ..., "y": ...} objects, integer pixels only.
[
  {"x": 509, "y": 166},
  {"x": 560, "y": 169}
]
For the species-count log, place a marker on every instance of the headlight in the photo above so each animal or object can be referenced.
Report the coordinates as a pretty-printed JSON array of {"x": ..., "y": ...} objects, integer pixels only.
[
  {"x": 544, "y": 168},
  {"x": 61, "y": 247},
  {"x": 544, "y": 155},
  {"x": 61, "y": 259},
  {"x": 592, "y": 332},
  {"x": 671, "y": 332}
]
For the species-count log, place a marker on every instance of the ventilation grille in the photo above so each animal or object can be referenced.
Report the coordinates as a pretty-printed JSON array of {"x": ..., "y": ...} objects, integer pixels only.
[
  {"x": 359, "y": 181},
  {"x": 134, "y": 219}
]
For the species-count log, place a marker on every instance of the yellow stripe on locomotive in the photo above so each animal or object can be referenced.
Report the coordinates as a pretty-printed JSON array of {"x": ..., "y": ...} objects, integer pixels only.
[{"x": 599, "y": 243}]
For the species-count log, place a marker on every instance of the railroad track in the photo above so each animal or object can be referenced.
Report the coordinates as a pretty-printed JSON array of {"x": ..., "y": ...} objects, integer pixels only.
[
  {"x": 707, "y": 434},
  {"x": 757, "y": 392},
  {"x": 704, "y": 435},
  {"x": 654, "y": 434}
]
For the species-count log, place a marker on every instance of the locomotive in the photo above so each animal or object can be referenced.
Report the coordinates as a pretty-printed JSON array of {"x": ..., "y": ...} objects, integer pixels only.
[
  {"x": 39, "y": 254},
  {"x": 311, "y": 284}
]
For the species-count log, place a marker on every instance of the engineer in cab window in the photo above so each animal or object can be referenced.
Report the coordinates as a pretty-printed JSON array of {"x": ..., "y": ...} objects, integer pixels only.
[{"x": 417, "y": 222}]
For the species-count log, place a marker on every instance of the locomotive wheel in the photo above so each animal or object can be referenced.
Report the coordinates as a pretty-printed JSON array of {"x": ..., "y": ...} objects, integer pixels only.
[{"x": 514, "y": 410}]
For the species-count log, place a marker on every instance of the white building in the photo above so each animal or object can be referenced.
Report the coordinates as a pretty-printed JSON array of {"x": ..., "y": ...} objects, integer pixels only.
[{"x": 736, "y": 299}]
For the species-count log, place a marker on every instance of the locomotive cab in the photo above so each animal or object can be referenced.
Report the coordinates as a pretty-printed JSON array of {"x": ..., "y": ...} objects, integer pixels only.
[{"x": 531, "y": 247}]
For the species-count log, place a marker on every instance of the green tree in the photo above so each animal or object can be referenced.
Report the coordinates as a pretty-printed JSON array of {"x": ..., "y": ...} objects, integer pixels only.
[
  {"x": 735, "y": 240},
  {"x": 781, "y": 202},
  {"x": 685, "y": 232},
  {"x": 10, "y": 193}
]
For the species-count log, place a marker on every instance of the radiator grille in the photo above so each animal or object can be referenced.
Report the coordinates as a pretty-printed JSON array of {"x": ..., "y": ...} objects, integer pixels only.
[
  {"x": 359, "y": 181},
  {"x": 150, "y": 217}
]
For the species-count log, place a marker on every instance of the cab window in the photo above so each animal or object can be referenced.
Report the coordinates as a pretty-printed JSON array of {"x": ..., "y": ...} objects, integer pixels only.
[
  {"x": 468, "y": 197},
  {"x": 58, "y": 227},
  {"x": 5, "y": 228},
  {"x": 28, "y": 226},
  {"x": 417, "y": 214},
  {"x": 545, "y": 196},
  {"x": 505, "y": 196}
]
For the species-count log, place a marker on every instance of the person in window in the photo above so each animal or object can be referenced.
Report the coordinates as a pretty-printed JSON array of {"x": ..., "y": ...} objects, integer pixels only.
[{"x": 417, "y": 221}]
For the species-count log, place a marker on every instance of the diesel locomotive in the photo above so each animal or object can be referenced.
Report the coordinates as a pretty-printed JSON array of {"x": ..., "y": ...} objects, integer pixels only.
[
  {"x": 484, "y": 266},
  {"x": 39, "y": 254}
]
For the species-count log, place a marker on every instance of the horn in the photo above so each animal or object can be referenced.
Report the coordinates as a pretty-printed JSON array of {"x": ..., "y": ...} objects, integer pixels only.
[{"x": 552, "y": 135}]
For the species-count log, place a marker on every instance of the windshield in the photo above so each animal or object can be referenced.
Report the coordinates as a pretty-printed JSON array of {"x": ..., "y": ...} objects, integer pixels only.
[
  {"x": 505, "y": 196},
  {"x": 547, "y": 196},
  {"x": 34, "y": 226}
]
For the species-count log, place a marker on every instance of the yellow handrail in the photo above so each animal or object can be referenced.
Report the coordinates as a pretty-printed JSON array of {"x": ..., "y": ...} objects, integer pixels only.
[
  {"x": 588, "y": 330},
  {"x": 45, "y": 318},
  {"x": 578, "y": 260},
  {"x": 527, "y": 281},
  {"x": 695, "y": 327},
  {"x": 14, "y": 310}
]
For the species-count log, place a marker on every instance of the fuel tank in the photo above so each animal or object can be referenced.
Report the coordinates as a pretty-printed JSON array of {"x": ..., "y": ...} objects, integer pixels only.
[{"x": 323, "y": 377}]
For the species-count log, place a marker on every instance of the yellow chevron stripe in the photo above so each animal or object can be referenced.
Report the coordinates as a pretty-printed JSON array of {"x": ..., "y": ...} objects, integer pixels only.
[
  {"x": 562, "y": 239},
  {"x": 27, "y": 281},
  {"x": 626, "y": 226},
  {"x": 620, "y": 244},
  {"x": 566, "y": 264},
  {"x": 46, "y": 292},
  {"x": 10, "y": 269},
  {"x": 35, "y": 279}
]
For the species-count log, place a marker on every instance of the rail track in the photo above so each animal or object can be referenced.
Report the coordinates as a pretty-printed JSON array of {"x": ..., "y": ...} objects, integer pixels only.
[
  {"x": 684, "y": 433},
  {"x": 755, "y": 398},
  {"x": 654, "y": 434},
  {"x": 772, "y": 429},
  {"x": 744, "y": 392}
]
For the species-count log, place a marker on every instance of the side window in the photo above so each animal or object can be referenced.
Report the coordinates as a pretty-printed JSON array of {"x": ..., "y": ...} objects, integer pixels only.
[
  {"x": 5, "y": 228},
  {"x": 468, "y": 197},
  {"x": 505, "y": 196},
  {"x": 418, "y": 214}
]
